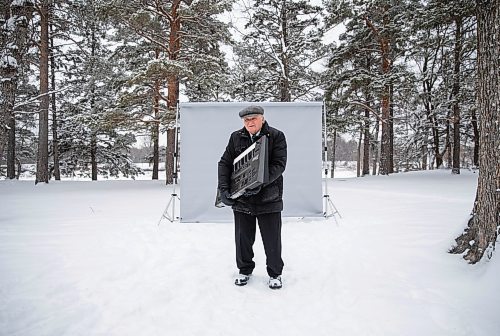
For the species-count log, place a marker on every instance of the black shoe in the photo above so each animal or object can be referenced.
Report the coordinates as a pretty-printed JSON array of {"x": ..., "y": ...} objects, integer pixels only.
[
  {"x": 275, "y": 283},
  {"x": 241, "y": 279}
]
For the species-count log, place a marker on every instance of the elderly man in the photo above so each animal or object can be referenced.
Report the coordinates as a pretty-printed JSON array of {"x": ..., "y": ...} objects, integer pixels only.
[{"x": 263, "y": 204}]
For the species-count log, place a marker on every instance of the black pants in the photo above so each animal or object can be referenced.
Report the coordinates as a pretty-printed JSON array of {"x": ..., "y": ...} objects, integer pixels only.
[{"x": 270, "y": 231}]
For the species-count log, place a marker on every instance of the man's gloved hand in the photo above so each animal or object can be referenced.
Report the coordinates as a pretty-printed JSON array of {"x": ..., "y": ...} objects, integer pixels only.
[
  {"x": 251, "y": 192},
  {"x": 224, "y": 197}
]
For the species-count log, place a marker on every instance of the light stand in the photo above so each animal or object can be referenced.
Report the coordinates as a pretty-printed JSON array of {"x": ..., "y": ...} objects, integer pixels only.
[
  {"x": 169, "y": 212},
  {"x": 329, "y": 209}
]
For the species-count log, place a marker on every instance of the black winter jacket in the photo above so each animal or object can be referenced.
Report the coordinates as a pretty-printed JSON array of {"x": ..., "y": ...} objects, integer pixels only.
[{"x": 270, "y": 197}]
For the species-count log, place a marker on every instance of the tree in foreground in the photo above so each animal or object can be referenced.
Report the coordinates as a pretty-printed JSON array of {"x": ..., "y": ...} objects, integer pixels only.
[{"x": 482, "y": 231}]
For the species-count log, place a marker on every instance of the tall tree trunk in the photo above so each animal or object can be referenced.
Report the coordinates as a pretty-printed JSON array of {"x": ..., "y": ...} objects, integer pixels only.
[
  {"x": 93, "y": 135},
  {"x": 42, "y": 169},
  {"x": 448, "y": 148},
  {"x": 11, "y": 123},
  {"x": 481, "y": 233},
  {"x": 375, "y": 147},
  {"x": 391, "y": 129},
  {"x": 434, "y": 129},
  {"x": 11, "y": 149},
  {"x": 424, "y": 150},
  {"x": 13, "y": 45},
  {"x": 358, "y": 154},
  {"x": 170, "y": 159},
  {"x": 456, "y": 96},
  {"x": 284, "y": 80},
  {"x": 173, "y": 80},
  {"x": 384, "y": 42},
  {"x": 431, "y": 117},
  {"x": 156, "y": 129},
  {"x": 55, "y": 137},
  {"x": 93, "y": 156},
  {"x": 366, "y": 143},
  {"x": 334, "y": 152},
  {"x": 8, "y": 84},
  {"x": 475, "y": 129},
  {"x": 386, "y": 140}
]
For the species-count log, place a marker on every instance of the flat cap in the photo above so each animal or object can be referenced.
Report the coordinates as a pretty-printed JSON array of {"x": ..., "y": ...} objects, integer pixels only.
[{"x": 252, "y": 109}]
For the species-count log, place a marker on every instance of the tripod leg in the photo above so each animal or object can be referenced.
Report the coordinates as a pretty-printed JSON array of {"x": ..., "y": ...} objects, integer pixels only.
[
  {"x": 330, "y": 208},
  {"x": 166, "y": 214},
  {"x": 334, "y": 207}
]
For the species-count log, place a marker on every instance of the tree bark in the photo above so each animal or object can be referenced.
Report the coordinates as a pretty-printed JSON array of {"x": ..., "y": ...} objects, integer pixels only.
[
  {"x": 479, "y": 238},
  {"x": 13, "y": 45},
  {"x": 156, "y": 125},
  {"x": 284, "y": 88},
  {"x": 358, "y": 154},
  {"x": 384, "y": 43},
  {"x": 366, "y": 144},
  {"x": 173, "y": 80},
  {"x": 375, "y": 147},
  {"x": 11, "y": 123},
  {"x": 55, "y": 137},
  {"x": 93, "y": 156},
  {"x": 367, "y": 137},
  {"x": 7, "y": 73},
  {"x": 334, "y": 147},
  {"x": 391, "y": 129},
  {"x": 171, "y": 152},
  {"x": 93, "y": 135},
  {"x": 449, "y": 146},
  {"x": 11, "y": 149},
  {"x": 423, "y": 149},
  {"x": 428, "y": 84},
  {"x": 475, "y": 129},
  {"x": 156, "y": 129},
  {"x": 42, "y": 169},
  {"x": 456, "y": 96}
]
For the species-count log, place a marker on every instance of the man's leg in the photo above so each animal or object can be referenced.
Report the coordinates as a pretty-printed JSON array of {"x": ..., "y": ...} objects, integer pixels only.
[
  {"x": 244, "y": 225},
  {"x": 270, "y": 230}
]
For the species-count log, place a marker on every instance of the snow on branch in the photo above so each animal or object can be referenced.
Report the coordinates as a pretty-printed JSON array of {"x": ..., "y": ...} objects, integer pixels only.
[
  {"x": 8, "y": 61},
  {"x": 35, "y": 99}
]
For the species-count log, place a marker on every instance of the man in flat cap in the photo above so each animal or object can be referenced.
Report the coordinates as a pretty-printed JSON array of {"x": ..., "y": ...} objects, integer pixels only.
[{"x": 263, "y": 204}]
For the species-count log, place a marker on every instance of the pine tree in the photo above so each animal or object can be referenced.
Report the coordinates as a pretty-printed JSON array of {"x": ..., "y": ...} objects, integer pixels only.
[
  {"x": 444, "y": 51},
  {"x": 91, "y": 139},
  {"x": 281, "y": 43},
  {"x": 481, "y": 234},
  {"x": 364, "y": 66},
  {"x": 14, "y": 19},
  {"x": 183, "y": 41},
  {"x": 42, "y": 160}
]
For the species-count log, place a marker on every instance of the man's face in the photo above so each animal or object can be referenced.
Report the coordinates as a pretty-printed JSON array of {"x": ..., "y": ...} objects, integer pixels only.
[{"x": 253, "y": 123}]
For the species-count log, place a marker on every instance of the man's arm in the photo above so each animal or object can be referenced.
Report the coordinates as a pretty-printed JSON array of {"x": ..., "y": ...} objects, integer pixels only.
[
  {"x": 225, "y": 168},
  {"x": 277, "y": 159}
]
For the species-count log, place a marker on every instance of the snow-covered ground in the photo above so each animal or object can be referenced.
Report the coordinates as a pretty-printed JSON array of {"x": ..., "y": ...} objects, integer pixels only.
[{"x": 89, "y": 258}]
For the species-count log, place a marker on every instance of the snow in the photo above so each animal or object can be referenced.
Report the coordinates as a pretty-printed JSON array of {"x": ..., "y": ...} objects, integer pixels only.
[
  {"x": 89, "y": 258},
  {"x": 8, "y": 62},
  {"x": 20, "y": 3}
]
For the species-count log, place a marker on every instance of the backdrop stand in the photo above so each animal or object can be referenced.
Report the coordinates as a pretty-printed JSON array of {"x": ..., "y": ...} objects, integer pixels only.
[
  {"x": 329, "y": 209},
  {"x": 169, "y": 212}
]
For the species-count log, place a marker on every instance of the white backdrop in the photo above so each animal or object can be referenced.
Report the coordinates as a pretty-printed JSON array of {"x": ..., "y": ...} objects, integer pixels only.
[{"x": 205, "y": 131}]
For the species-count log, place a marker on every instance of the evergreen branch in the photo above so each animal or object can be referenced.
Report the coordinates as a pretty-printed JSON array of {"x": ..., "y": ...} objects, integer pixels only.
[
  {"x": 378, "y": 116},
  {"x": 36, "y": 99}
]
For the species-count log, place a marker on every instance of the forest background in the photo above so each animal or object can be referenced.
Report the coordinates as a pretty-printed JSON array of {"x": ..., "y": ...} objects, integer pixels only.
[
  {"x": 400, "y": 80},
  {"x": 81, "y": 80}
]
